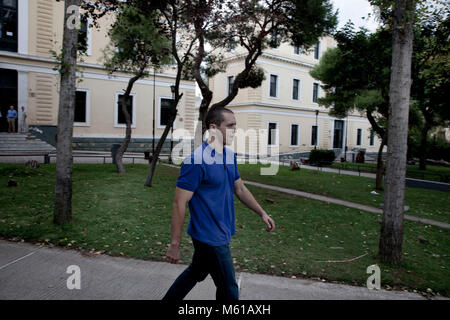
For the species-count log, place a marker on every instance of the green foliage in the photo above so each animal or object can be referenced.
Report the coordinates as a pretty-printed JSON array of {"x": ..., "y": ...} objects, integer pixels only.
[
  {"x": 321, "y": 157},
  {"x": 256, "y": 25},
  {"x": 137, "y": 41},
  {"x": 214, "y": 65},
  {"x": 254, "y": 78},
  {"x": 431, "y": 67},
  {"x": 308, "y": 20},
  {"x": 356, "y": 73}
]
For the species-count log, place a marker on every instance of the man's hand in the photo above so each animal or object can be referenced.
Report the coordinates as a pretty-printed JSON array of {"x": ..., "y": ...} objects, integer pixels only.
[
  {"x": 269, "y": 222},
  {"x": 173, "y": 254}
]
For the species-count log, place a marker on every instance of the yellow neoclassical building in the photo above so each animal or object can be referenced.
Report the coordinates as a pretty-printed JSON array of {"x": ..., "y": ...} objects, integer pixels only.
[
  {"x": 286, "y": 101},
  {"x": 30, "y": 30},
  {"x": 286, "y": 105}
]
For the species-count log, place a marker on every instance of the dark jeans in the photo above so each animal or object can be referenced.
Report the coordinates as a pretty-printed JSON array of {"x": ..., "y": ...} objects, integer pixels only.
[{"x": 207, "y": 259}]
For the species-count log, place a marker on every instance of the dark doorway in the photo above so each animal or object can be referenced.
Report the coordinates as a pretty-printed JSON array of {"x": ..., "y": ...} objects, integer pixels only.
[
  {"x": 338, "y": 134},
  {"x": 8, "y": 94}
]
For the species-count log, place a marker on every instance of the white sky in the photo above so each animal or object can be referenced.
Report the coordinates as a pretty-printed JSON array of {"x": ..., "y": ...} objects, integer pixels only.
[{"x": 354, "y": 10}]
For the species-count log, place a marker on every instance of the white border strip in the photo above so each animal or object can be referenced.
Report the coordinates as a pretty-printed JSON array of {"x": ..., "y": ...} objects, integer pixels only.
[
  {"x": 295, "y": 114},
  {"x": 8, "y": 264}
]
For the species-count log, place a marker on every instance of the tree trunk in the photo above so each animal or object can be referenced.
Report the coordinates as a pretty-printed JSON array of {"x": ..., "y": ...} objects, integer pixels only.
[
  {"x": 124, "y": 104},
  {"x": 380, "y": 169},
  {"x": 155, "y": 156},
  {"x": 383, "y": 134},
  {"x": 423, "y": 148},
  {"x": 62, "y": 212},
  {"x": 126, "y": 141},
  {"x": 391, "y": 238}
]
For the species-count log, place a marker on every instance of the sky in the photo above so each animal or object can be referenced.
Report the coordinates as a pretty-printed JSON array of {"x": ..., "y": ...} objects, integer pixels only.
[{"x": 354, "y": 10}]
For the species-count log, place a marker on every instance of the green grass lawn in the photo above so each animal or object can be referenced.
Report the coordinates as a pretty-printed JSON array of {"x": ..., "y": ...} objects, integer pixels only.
[
  {"x": 115, "y": 214},
  {"x": 432, "y": 172},
  {"x": 422, "y": 203}
]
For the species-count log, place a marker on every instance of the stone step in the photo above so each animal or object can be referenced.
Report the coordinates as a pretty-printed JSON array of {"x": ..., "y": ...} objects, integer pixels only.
[
  {"x": 19, "y": 143},
  {"x": 23, "y": 145},
  {"x": 23, "y": 142}
]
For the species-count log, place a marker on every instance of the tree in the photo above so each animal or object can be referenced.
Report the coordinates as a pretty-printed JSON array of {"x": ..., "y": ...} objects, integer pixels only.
[
  {"x": 253, "y": 25},
  {"x": 355, "y": 75},
  {"x": 195, "y": 24},
  {"x": 137, "y": 42},
  {"x": 431, "y": 74},
  {"x": 62, "y": 212},
  {"x": 391, "y": 238},
  {"x": 182, "y": 45}
]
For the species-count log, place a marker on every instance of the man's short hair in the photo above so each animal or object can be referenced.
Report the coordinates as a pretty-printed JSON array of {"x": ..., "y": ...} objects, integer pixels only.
[{"x": 215, "y": 116}]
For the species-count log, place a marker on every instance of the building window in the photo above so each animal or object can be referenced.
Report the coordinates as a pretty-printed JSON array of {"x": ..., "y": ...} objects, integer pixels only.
[
  {"x": 295, "y": 89},
  {"x": 231, "y": 45},
  {"x": 338, "y": 134},
  {"x": 120, "y": 119},
  {"x": 275, "y": 40},
  {"x": 84, "y": 36},
  {"x": 294, "y": 134},
  {"x": 273, "y": 86},
  {"x": 317, "y": 51},
  {"x": 272, "y": 135},
  {"x": 372, "y": 138},
  {"x": 81, "y": 111},
  {"x": 230, "y": 84},
  {"x": 164, "y": 111},
  {"x": 314, "y": 135},
  {"x": 8, "y": 25},
  {"x": 315, "y": 92},
  {"x": 297, "y": 50},
  {"x": 358, "y": 137}
]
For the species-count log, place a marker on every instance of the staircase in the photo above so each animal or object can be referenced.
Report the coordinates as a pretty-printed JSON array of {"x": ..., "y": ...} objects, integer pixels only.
[{"x": 21, "y": 147}]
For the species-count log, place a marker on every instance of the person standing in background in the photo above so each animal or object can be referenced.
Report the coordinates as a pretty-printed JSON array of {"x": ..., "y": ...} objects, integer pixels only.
[
  {"x": 11, "y": 116},
  {"x": 23, "y": 126}
]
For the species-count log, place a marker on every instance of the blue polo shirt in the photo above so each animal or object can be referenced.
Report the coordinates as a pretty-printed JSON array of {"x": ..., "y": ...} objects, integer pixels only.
[
  {"x": 11, "y": 114},
  {"x": 211, "y": 176}
]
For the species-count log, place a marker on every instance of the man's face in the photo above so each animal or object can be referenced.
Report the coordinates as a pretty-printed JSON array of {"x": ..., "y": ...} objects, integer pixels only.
[
  {"x": 227, "y": 128},
  {"x": 11, "y": 107}
]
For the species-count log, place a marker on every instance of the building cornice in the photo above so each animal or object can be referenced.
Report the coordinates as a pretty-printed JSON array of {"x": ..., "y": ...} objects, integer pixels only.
[
  {"x": 253, "y": 108},
  {"x": 272, "y": 57},
  {"x": 257, "y": 105},
  {"x": 32, "y": 58}
]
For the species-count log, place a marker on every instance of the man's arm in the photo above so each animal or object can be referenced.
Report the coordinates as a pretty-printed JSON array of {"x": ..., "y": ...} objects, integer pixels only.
[
  {"x": 246, "y": 197},
  {"x": 182, "y": 197}
]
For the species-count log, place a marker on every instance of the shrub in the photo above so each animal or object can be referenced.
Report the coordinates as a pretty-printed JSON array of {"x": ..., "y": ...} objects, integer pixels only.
[
  {"x": 321, "y": 157},
  {"x": 438, "y": 149}
]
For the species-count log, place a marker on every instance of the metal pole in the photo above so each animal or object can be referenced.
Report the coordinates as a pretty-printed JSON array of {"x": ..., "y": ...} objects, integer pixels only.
[
  {"x": 171, "y": 146},
  {"x": 317, "y": 130},
  {"x": 346, "y": 132},
  {"x": 153, "y": 129},
  {"x": 172, "y": 88}
]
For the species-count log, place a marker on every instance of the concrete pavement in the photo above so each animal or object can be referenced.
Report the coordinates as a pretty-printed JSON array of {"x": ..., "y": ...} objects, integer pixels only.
[{"x": 33, "y": 272}]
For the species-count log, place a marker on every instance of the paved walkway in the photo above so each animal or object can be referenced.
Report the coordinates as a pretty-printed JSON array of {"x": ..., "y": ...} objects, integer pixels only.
[
  {"x": 344, "y": 203},
  {"x": 324, "y": 169},
  {"x": 29, "y": 271}
]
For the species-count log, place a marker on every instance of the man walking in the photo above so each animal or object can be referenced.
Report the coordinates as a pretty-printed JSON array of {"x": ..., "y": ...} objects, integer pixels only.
[
  {"x": 11, "y": 116},
  {"x": 208, "y": 181}
]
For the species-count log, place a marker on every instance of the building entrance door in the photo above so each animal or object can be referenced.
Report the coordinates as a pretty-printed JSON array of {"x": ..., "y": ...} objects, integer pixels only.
[
  {"x": 8, "y": 94},
  {"x": 338, "y": 134}
]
